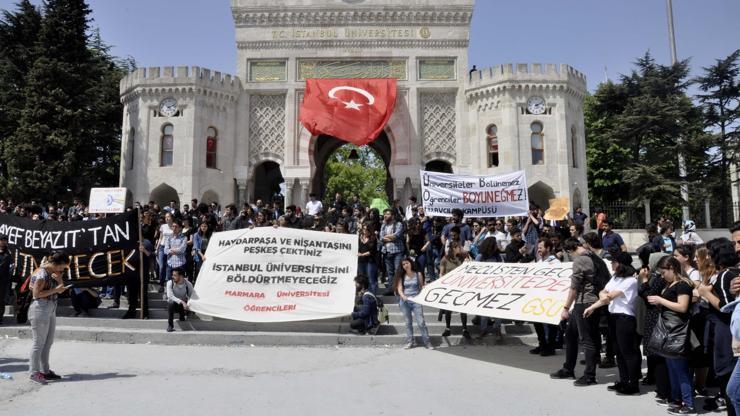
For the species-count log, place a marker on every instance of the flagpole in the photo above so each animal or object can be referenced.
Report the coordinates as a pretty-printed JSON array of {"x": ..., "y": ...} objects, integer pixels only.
[{"x": 141, "y": 265}]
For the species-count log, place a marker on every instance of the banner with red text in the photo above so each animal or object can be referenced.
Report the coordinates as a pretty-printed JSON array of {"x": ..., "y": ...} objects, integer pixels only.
[
  {"x": 277, "y": 275},
  {"x": 533, "y": 292},
  {"x": 477, "y": 196}
]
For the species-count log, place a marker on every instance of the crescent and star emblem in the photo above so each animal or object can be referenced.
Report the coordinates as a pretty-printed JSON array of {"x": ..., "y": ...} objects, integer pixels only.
[{"x": 351, "y": 103}]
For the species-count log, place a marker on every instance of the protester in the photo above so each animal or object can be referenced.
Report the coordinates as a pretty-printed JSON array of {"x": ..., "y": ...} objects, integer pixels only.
[
  {"x": 179, "y": 292},
  {"x": 6, "y": 263},
  {"x": 313, "y": 206},
  {"x": 611, "y": 241},
  {"x": 407, "y": 283},
  {"x": 200, "y": 244},
  {"x": 546, "y": 333},
  {"x": 724, "y": 257},
  {"x": 676, "y": 298},
  {"x": 174, "y": 247},
  {"x": 393, "y": 247},
  {"x": 689, "y": 235},
  {"x": 84, "y": 299},
  {"x": 581, "y": 331},
  {"x": 367, "y": 254},
  {"x": 453, "y": 259},
  {"x": 46, "y": 285},
  {"x": 365, "y": 315},
  {"x": 621, "y": 296}
]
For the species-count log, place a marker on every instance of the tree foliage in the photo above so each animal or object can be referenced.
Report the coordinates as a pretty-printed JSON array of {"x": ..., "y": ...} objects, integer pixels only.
[
  {"x": 66, "y": 136},
  {"x": 720, "y": 105},
  {"x": 635, "y": 130},
  {"x": 365, "y": 177}
]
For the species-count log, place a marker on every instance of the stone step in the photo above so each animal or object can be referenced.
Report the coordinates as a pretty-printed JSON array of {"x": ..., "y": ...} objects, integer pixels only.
[
  {"x": 336, "y": 325},
  {"x": 234, "y": 338}
]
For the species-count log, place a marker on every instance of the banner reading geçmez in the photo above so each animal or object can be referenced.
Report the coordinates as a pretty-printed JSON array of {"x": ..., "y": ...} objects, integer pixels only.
[
  {"x": 103, "y": 251},
  {"x": 533, "y": 292},
  {"x": 476, "y": 196},
  {"x": 277, "y": 275}
]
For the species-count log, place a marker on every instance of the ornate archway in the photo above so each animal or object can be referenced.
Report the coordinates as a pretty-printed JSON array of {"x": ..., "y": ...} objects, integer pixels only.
[{"x": 326, "y": 145}]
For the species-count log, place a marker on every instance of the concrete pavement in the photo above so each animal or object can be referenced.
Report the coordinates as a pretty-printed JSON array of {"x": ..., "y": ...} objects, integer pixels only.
[{"x": 116, "y": 379}]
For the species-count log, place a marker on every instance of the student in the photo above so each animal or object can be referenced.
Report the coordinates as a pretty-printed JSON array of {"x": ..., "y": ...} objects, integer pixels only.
[
  {"x": 408, "y": 282},
  {"x": 179, "y": 292},
  {"x": 365, "y": 315},
  {"x": 621, "y": 296},
  {"x": 582, "y": 331},
  {"x": 718, "y": 295},
  {"x": 676, "y": 298},
  {"x": 46, "y": 285},
  {"x": 453, "y": 258}
]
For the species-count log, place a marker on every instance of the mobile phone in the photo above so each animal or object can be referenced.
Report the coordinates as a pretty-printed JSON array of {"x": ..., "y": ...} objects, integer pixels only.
[{"x": 68, "y": 286}]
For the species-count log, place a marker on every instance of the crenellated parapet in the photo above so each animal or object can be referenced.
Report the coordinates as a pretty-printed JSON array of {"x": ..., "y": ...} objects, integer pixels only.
[
  {"x": 157, "y": 81},
  {"x": 499, "y": 78}
]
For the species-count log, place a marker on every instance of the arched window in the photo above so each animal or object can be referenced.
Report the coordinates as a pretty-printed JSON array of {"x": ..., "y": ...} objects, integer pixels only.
[
  {"x": 492, "y": 138},
  {"x": 168, "y": 145},
  {"x": 130, "y": 147},
  {"x": 574, "y": 146},
  {"x": 538, "y": 144},
  {"x": 211, "y": 147}
]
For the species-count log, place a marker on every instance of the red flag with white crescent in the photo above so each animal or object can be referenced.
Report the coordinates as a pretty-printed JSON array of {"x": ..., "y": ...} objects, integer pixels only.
[{"x": 354, "y": 110}]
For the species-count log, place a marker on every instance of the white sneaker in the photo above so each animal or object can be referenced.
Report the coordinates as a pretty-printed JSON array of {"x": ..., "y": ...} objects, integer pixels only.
[
  {"x": 429, "y": 346},
  {"x": 408, "y": 346}
]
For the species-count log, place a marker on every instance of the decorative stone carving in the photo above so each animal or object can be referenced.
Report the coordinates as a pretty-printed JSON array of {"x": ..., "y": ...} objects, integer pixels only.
[
  {"x": 267, "y": 124},
  {"x": 354, "y": 43},
  {"x": 438, "y": 122},
  {"x": 267, "y": 71},
  {"x": 437, "y": 69},
  {"x": 388, "y": 68},
  {"x": 251, "y": 17}
]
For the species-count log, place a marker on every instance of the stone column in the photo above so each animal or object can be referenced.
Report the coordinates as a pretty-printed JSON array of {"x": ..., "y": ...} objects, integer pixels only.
[
  {"x": 305, "y": 184},
  {"x": 648, "y": 220},
  {"x": 241, "y": 185},
  {"x": 707, "y": 214},
  {"x": 288, "y": 192}
]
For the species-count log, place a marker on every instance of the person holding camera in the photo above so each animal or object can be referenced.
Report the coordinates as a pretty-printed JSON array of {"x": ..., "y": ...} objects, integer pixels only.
[{"x": 46, "y": 285}]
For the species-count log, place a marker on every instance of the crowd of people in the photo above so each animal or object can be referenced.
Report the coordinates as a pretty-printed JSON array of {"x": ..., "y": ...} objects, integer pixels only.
[{"x": 615, "y": 305}]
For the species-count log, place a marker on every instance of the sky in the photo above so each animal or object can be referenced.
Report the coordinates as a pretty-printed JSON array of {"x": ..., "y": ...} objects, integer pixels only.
[{"x": 599, "y": 38}]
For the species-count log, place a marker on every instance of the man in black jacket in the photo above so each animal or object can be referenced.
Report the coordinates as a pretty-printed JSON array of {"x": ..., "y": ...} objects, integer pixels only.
[{"x": 581, "y": 331}]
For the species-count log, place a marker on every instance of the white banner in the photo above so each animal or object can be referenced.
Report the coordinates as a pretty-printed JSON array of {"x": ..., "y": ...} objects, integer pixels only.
[
  {"x": 277, "y": 275},
  {"x": 533, "y": 292},
  {"x": 107, "y": 200},
  {"x": 476, "y": 196}
]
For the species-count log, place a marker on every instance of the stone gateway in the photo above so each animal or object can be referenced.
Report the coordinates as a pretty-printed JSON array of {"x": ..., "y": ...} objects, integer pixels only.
[{"x": 189, "y": 132}]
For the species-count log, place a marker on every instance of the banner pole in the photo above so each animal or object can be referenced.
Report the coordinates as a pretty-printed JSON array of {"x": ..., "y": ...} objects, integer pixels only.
[{"x": 141, "y": 266}]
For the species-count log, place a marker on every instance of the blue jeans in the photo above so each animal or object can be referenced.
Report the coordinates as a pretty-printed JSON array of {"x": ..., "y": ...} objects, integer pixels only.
[
  {"x": 162, "y": 265},
  {"x": 370, "y": 269},
  {"x": 392, "y": 262},
  {"x": 407, "y": 307},
  {"x": 681, "y": 387},
  {"x": 733, "y": 388}
]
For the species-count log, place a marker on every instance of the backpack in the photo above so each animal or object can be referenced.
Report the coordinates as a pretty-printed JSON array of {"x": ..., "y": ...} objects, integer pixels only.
[
  {"x": 602, "y": 276},
  {"x": 382, "y": 310}
]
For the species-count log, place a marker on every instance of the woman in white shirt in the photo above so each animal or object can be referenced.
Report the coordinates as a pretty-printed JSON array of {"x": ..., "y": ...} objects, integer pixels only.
[{"x": 621, "y": 295}]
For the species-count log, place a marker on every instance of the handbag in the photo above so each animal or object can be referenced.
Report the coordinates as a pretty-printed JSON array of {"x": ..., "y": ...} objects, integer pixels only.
[{"x": 671, "y": 335}]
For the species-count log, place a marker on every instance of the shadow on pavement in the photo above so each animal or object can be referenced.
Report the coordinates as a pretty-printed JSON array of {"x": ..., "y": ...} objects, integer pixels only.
[
  {"x": 93, "y": 377},
  {"x": 519, "y": 357}
]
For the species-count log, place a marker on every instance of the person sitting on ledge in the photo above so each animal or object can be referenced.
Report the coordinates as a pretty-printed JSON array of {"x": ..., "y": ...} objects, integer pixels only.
[
  {"x": 365, "y": 316},
  {"x": 179, "y": 290}
]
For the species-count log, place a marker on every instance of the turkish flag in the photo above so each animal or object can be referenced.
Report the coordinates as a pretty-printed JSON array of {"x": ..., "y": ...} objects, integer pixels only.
[{"x": 354, "y": 110}]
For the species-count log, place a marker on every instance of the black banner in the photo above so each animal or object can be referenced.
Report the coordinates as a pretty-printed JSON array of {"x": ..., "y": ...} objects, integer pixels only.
[{"x": 100, "y": 252}]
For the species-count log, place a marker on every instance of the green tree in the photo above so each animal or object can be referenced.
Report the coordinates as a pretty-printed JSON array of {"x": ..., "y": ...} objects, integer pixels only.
[
  {"x": 18, "y": 34},
  {"x": 635, "y": 130},
  {"x": 365, "y": 177},
  {"x": 68, "y": 135},
  {"x": 720, "y": 103}
]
